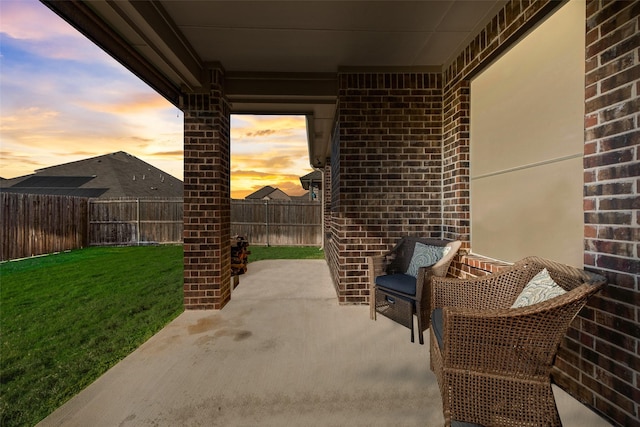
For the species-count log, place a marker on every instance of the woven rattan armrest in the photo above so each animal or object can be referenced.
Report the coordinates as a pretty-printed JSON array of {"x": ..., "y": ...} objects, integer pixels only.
[
  {"x": 471, "y": 294},
  {"x": 440, "y": 268},
  {"x": 377, "y": 264}
]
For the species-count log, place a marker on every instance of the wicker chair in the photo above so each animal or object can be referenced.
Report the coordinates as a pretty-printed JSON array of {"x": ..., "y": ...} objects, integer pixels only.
[
  {"x": 411, "y": 296},
  {"x": 493, "y": 362}
]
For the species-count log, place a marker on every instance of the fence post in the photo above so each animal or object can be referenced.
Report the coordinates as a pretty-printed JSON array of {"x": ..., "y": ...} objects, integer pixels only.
[
  {"x": 266, "y": 219},
  {"x": 138, "y": 221},
  {"x": 88, "y": 228}
]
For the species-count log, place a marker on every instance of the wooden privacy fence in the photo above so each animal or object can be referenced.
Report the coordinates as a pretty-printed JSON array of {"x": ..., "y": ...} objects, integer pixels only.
[
  {"x": 277, "y": 222},
  {"x": 127, "y": 221},
  {"x": 36, "y": 224},
  {"x": 140, "y": 221}
]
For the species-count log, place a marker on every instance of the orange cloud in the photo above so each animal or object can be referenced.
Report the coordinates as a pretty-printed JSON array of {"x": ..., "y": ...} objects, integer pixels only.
[
  {"x": 27, "y": 118},
  {"x": 27, "y": 164},
  {"x": 81, "y": 154},
  {"x": 130, "y": 104},
  {"x": 176, "y": 153},
  {"x": 265, "y": 162},
  {"x": 254, "y": 127}
]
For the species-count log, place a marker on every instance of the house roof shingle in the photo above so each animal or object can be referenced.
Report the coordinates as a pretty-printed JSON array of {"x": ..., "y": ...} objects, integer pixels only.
[{"x": 111, "y": 175}]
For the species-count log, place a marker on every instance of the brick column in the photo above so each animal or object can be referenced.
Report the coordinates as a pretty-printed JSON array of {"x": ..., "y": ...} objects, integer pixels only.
[
  {"x": 455, "y": 167},
  {"x": 207, "y": 199}
]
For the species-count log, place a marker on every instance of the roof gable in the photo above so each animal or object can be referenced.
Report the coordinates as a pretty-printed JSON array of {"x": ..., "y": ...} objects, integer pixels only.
[
  {"x": 269, "y": 193},
  {"x": 261, "y": 193}
]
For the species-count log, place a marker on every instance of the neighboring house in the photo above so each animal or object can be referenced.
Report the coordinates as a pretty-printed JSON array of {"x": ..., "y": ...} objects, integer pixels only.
[
  {"x": 313, "y": 183},
  {"x": 268, "y": 193},
  {"x": 111, "y": 175}
]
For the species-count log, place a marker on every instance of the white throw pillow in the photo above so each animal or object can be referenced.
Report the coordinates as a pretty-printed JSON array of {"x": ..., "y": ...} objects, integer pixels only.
[{"x": 540, "y": 288}]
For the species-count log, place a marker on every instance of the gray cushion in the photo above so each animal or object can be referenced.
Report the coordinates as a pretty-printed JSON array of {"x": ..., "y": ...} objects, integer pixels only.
[
  {"x": 437, "y": 324},
  {"x": 455, "y": 423},
  {"x": 398, "y": 282},
  {"x": 424, "y": 256}
]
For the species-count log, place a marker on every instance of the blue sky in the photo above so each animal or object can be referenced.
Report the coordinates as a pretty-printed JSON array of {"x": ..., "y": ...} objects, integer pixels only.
[{"x": 63, "y": 99}]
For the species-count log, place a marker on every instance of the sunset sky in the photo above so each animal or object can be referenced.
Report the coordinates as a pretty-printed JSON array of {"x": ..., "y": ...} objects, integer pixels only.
[{"x": 63, "y": 99}]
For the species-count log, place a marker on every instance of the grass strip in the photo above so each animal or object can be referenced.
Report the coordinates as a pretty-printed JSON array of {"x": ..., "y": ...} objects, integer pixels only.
[
  {"x": 259, "y": 253},
  {"x": 69, "y": 317}
]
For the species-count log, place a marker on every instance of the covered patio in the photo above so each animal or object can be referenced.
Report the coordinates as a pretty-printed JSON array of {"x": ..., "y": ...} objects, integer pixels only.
[
  {"x": 394, "y": 94},
  {"x": 282, "y": 353}
]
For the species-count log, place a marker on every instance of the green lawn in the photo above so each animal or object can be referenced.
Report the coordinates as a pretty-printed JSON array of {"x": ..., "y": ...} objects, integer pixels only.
[
  {"x": 259, "y": 253},
  {"x": 67, "y": 318}
]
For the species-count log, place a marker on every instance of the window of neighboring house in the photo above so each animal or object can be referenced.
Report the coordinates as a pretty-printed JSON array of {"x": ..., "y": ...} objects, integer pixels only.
[{"x": 527, "y": 139}]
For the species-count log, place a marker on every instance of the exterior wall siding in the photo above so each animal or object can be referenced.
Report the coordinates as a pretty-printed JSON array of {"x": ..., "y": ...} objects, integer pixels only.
[
  {"x": 207, "y": 198},
  {"x": 601, "y": 359}
]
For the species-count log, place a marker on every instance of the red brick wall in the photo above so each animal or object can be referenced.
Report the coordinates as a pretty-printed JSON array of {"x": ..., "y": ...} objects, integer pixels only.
[
  {"x": 602, "y": 355},
  {"x": 386, "y": 170},
  {"x": 455, "y": 163},
  {"x": 207, "y": 199},
  {"x": 326, "y": 200}
]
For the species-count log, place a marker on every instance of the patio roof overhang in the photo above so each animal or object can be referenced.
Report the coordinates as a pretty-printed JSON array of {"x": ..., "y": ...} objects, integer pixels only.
[{"x": 279, "y": 57}]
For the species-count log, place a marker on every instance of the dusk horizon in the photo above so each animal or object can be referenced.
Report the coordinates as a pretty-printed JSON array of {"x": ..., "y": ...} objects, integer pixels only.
[{"x": 64, "y": 99}]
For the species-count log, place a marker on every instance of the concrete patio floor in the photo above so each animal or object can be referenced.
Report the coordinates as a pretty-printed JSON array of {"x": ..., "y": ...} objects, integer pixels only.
[{"x": 281, "y": 353}]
